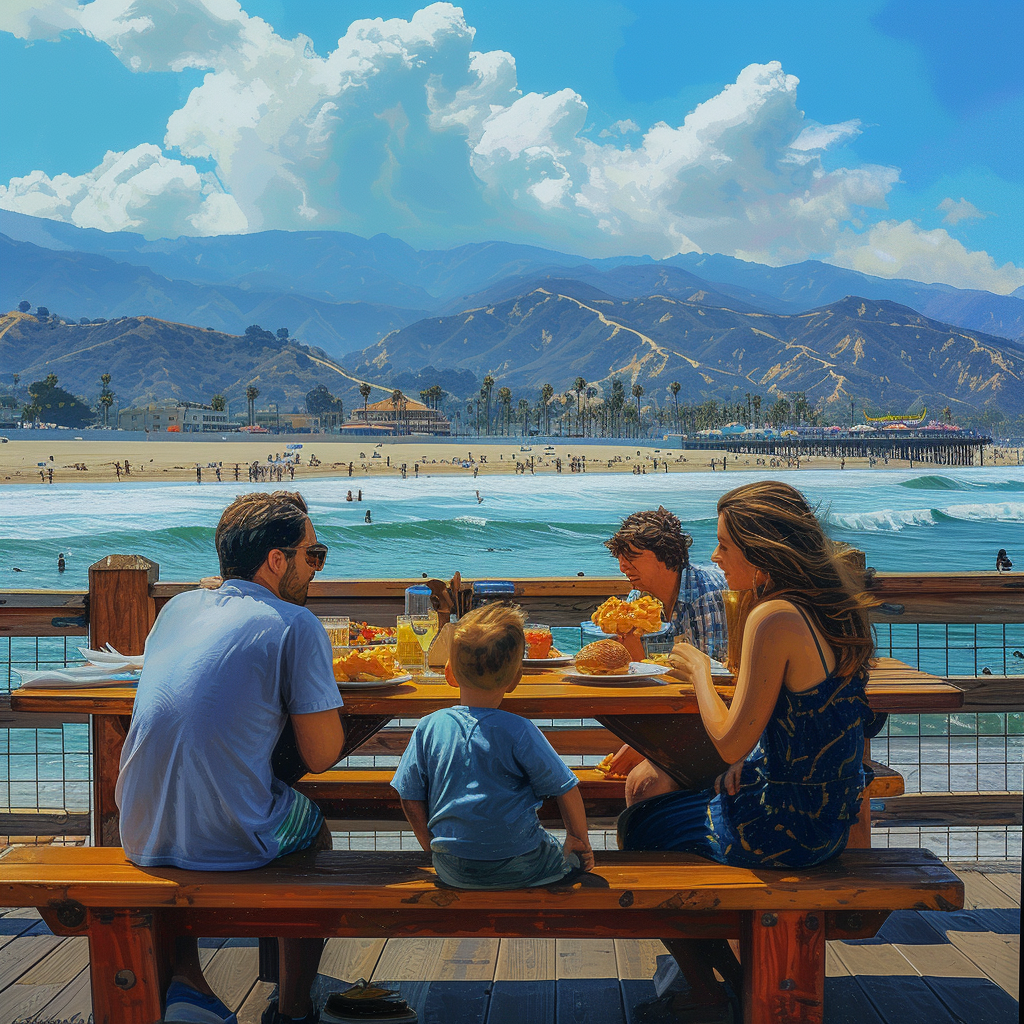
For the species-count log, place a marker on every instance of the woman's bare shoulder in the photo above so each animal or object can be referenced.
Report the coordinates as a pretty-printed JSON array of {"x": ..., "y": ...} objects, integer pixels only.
[{"x": 775, "y": 609}]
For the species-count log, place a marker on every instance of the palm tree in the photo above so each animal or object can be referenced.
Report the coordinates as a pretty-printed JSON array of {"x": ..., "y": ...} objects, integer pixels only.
[
  {"x": 106, "y": 396},
  {"x": 547, "y": 392},
  {"x": 485, "y": 391},
  {"x": 364, "y": 390},
  {"x": 578, "y": 385},
  {"x": 397, "y": 401},
  {"x": 675, "y": 387},
  {"x": 505, "y": 398},
  {"x": 947, "y": 414},
  {"x": 524, "y": 411},
  {"x": 638, "y": 393},
  {"x": 106, "y": 400},
  {"x": 469, "y": 415},
  {"x": 218, "y": 403},
  {"x": 252, "y": 393},
  {"x": 590, "y": 394},
  {"x": 757, "y": 409},
  {"x": 618, "y": 401}
]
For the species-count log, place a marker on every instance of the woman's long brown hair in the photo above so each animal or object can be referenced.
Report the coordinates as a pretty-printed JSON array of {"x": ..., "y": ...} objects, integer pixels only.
[{"x": 778, "y": 533}]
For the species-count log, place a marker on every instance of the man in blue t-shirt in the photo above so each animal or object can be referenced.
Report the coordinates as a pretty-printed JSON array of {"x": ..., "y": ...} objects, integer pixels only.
[
  {"x": 225, "y": 672},
  {"x": 473, "y": 776}
]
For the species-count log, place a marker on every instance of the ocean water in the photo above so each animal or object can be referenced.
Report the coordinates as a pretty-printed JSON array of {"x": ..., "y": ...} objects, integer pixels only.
[{"x": 524, "y": 526}]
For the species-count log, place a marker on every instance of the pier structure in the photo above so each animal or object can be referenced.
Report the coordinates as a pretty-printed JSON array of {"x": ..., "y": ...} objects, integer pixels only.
[{"x": 916, "y": 446}]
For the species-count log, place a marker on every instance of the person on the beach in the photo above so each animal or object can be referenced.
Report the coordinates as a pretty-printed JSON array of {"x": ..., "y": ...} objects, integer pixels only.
[
  {"x": 1003, "y": 563},
  {"x": 227, "y": 672},
  {"x": 794, "y": 731},
  {"x": 473, "y": 776}
]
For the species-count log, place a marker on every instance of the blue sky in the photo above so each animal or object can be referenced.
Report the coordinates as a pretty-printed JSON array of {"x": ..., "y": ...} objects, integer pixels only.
[{"x": 884, "y": 136}]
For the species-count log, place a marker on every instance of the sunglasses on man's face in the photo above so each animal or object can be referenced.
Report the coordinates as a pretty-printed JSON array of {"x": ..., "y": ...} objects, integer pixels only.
[{"x": 316, "y": 554}]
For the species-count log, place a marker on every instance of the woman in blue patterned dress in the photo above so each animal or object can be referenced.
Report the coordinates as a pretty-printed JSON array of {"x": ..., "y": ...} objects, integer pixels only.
[{"x": 794, "y": 731}]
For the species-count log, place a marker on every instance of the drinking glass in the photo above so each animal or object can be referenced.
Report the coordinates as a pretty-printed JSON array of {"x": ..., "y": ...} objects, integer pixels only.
[
  {"x": 337, "y": 627},
  {"x": 538, "y": 640},
  {"x": 424, "y": 629},
  {"x": 408, "y": 650}
]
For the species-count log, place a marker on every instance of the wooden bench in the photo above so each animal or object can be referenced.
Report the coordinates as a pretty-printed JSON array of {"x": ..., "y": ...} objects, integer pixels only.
[
  {"x": 353, "y": 795},
  {"x": 781, "y": 918}
]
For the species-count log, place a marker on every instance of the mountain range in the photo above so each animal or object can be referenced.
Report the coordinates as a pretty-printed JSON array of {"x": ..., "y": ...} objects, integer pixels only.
[
  {"x": 337, "y": 267},
  {"x": 377, "y": 310}
]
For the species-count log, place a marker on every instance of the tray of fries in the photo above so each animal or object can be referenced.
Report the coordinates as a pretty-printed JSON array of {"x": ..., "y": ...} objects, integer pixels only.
[{"x": 617, "y": 617}]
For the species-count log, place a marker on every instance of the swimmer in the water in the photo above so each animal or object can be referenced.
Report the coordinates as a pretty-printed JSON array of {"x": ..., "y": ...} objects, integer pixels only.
[
  {"x": 367, "y": 519},
  {"x": 61, "y": 565},
  {"x": 479, "y": 500}
]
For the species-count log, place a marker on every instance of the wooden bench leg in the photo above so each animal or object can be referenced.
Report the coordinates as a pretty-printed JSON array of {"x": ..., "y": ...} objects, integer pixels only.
[
  {"x": 783, "y": 957},
  {"x": 860, "y": 830},
  {"x": 128, "y": 963}
]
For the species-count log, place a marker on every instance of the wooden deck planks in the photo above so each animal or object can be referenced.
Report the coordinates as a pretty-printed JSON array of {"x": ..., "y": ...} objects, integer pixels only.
[
  {"x": 1008, "y": 882},
  {"x": 980, "y": 892},
  {"x": 998, "y": 956},
  {"x": 585, "y": 958},
  {"x": 526, "y": 960}
]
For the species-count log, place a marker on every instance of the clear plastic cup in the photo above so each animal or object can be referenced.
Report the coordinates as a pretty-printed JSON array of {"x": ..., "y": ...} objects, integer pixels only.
[
  {"x": 337, "y": 627},
  {"x": 408, "y": 650},
  {"x": 538, "y": 640}
]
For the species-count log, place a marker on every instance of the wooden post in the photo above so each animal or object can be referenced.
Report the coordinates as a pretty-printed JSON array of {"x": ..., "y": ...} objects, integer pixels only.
[
  {"x": 127, "y": 967},
  {"x": 783, "y": 957},
  {"x": 121, "y": 613}
]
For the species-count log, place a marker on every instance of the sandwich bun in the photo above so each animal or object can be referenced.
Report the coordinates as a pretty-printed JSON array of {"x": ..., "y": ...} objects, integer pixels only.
[{"x": 603, "y": 658}]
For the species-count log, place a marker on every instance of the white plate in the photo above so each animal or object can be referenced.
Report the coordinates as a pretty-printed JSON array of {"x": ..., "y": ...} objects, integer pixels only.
[
  {"x": 639, "y": 675},
  {"x": 374, "y": 684},
  {"x": 565, "y": 659}
]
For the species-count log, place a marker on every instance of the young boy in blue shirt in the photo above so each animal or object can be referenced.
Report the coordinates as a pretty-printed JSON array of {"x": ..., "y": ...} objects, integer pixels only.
[{"x": 473, "y": 776}]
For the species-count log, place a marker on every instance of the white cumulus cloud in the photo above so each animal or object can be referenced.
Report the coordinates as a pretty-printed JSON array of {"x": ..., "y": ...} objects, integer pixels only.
[
  {"x": 958, "y": 210},
  {"x": 404, "y": 127},
  {"x": 141, "y": 190},
  {"x": 619, "y": 128},
  {"x": 902, "y": 249}
]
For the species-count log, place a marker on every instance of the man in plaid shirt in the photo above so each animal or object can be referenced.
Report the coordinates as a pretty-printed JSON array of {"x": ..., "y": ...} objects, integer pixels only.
[{"x": 653, "y": 553}]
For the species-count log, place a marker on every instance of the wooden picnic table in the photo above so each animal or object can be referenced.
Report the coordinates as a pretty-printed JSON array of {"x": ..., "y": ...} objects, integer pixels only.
[{"x": 645, "y": 716}]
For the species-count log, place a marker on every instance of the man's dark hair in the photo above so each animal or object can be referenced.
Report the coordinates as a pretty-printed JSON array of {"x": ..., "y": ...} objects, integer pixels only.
[
  {"x": 655, "y": 530},
  {"x": 253, "y": 525}
]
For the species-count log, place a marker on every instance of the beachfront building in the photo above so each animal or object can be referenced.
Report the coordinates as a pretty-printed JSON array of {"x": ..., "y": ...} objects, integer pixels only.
[
  {"x": 183, "y": 417},
  {"x": 405, "y": 417}
]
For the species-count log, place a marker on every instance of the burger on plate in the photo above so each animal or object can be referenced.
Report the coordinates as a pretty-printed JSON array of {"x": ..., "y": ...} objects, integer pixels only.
[{"x": 603, "y": 658}]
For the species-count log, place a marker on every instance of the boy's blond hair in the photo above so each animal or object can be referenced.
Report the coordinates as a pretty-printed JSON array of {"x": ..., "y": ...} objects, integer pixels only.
[{"x": 488, "y": 646}]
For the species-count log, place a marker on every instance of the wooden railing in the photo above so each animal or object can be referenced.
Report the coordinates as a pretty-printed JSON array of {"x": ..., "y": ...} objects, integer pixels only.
[{"x": 126, "y": 595}]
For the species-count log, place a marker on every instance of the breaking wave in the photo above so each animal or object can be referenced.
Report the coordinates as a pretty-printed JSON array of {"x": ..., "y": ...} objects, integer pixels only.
[{"x": 889, "y": 520}]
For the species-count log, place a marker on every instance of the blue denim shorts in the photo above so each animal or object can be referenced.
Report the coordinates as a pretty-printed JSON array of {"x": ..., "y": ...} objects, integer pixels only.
[{"x": 540, "y": 866}]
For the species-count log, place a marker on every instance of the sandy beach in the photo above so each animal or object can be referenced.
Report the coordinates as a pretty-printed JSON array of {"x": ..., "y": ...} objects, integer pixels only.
[{"x": 25, "y": 460}]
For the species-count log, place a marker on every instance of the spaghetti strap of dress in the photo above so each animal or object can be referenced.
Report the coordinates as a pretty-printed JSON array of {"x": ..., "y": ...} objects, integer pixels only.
[{"x": 814, "y": 637}]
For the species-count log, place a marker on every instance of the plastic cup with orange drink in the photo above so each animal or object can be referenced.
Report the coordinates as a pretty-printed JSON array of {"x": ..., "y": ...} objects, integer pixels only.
[{"x": 538, "y": 640}]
